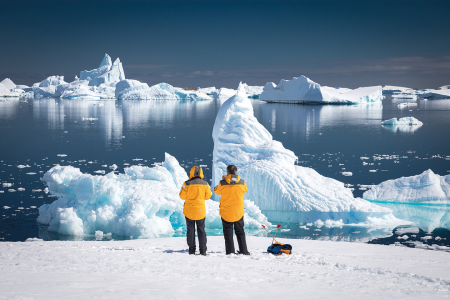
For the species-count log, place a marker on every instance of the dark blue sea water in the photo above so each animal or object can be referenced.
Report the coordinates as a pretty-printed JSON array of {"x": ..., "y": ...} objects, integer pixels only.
[{"x": 331, "y": 139}]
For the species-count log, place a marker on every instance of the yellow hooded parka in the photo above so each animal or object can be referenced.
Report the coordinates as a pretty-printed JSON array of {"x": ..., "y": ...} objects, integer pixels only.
[
  {"x": 194, "y": 192},
  {"x": 232, "y": 190}
]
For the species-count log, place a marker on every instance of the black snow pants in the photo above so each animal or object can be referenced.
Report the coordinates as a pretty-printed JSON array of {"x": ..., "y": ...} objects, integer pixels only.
[
  {"x": 240, "y": 235},
  {"x": 190, "y": 235}
]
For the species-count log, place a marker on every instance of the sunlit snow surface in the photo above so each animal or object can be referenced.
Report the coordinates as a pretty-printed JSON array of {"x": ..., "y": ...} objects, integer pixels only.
[
  {"x": 283, "y": 191},
  {"x": 143, "y": 202}
]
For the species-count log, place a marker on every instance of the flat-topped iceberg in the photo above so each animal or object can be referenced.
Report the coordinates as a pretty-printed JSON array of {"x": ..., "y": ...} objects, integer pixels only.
[
  {"x": 283, "y": 191},
  {"x": 304, "y": 90},
  {"x": 136, "y": 90},
  {"x": 107, "y": 72},
  {"x": 142, "y": 202},
  {"x": 426, "y": 187}
]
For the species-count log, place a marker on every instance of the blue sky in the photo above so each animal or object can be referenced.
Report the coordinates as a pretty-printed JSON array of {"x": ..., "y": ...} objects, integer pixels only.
[{"x": 219, "y": 43}]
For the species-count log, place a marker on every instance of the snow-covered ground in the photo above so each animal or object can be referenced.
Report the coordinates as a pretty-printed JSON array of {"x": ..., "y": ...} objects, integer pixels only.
[{"x": 162, "y": 269}]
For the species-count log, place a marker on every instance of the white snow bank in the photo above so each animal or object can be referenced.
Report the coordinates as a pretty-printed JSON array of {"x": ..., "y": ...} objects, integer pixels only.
[
  {"x": 445, "y": 87},
  {"x": 142, "y": 202},
  {"x": 426, "y": 187},
  {"x": 135, "y": 90},
  {"x": 283, "y": 191},
  {"x": 162, "y": 269},
  {"x": 107, "y": 72},
  {"x": 304, "y": 90}
]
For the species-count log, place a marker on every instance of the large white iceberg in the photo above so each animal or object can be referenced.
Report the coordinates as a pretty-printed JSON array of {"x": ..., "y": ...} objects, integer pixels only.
[
  {"x": 107, "y": 72},
  {"x": 426, "y": 187},
  {"x": 304, "y": 90},
  {"x": 142, "y": 202},
  {"x": 136, "y": 90},
  {"x": 283, "y": 191}
]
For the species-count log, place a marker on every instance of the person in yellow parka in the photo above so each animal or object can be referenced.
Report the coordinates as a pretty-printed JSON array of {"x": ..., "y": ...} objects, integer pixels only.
[
  {"x": 232, "y": 189},
  {"x": 194, "y": 192}
]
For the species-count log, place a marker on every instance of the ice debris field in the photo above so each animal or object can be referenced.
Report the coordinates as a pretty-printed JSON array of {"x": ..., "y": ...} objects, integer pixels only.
[{"x": 143, "y": 201}]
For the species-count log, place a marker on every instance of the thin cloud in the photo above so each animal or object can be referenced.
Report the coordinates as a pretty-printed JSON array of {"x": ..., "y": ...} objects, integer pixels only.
[{"x": 144, "y": 66}]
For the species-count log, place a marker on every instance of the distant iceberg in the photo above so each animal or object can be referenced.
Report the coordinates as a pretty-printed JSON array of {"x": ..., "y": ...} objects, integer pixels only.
[
  {"x": 390, "y": 89},
  {"x": 304, "y": 90},
  {"x": 406, "y": 121},
  {"x": 424, "y": 188},
  {"x": 136, "y": 90},
  {"x": 96, "y": 84},
  {"x": 9, "y": 89},
  {"x": 283, "y": 191},
  {"x": 406, "y": 124},
  {"x": 52, "y": 86},
  {"x": 435, "y": 94},
  {"x": 143, "y": 202},
  {"x": 107, "y": 72},
  {"x": 223, "y": 94}
]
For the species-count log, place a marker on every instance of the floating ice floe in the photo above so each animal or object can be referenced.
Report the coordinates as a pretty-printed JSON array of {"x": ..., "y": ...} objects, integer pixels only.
[
  {"x": 283, "y": 191},
  {"x": 405, "y": 125},
  {"x": 435, "y": 94},
  {"x": 304, "y": 90},
  {"x": 422, "y": 199},
  {"x": 406, "y": 104},
  {"x": 142, "y": 202},
  {"x": 426, "y": 187},
  {"x": 390, "y": 89},
  {"x": 404, "y": 95},
  {"x": 136, "y": 90}
]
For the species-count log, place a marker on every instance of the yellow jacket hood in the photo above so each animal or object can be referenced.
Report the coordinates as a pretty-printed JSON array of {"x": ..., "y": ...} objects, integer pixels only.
[
  {"x": 196, "y": 171},
  {"x": 228, "y": 178}
]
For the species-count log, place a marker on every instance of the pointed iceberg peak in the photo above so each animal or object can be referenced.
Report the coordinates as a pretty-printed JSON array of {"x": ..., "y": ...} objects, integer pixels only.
[
  {"x": 106, "y": 73},
  {"x": 241, "y": 89},
  {"x": 106, "y": 61}
]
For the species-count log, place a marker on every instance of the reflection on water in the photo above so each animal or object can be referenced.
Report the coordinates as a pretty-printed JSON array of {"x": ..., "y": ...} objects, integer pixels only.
[
  {"x": 408, "y": 129},
  {"x": 329, "y": 138},
  {"x": 425, "y": 216}
]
